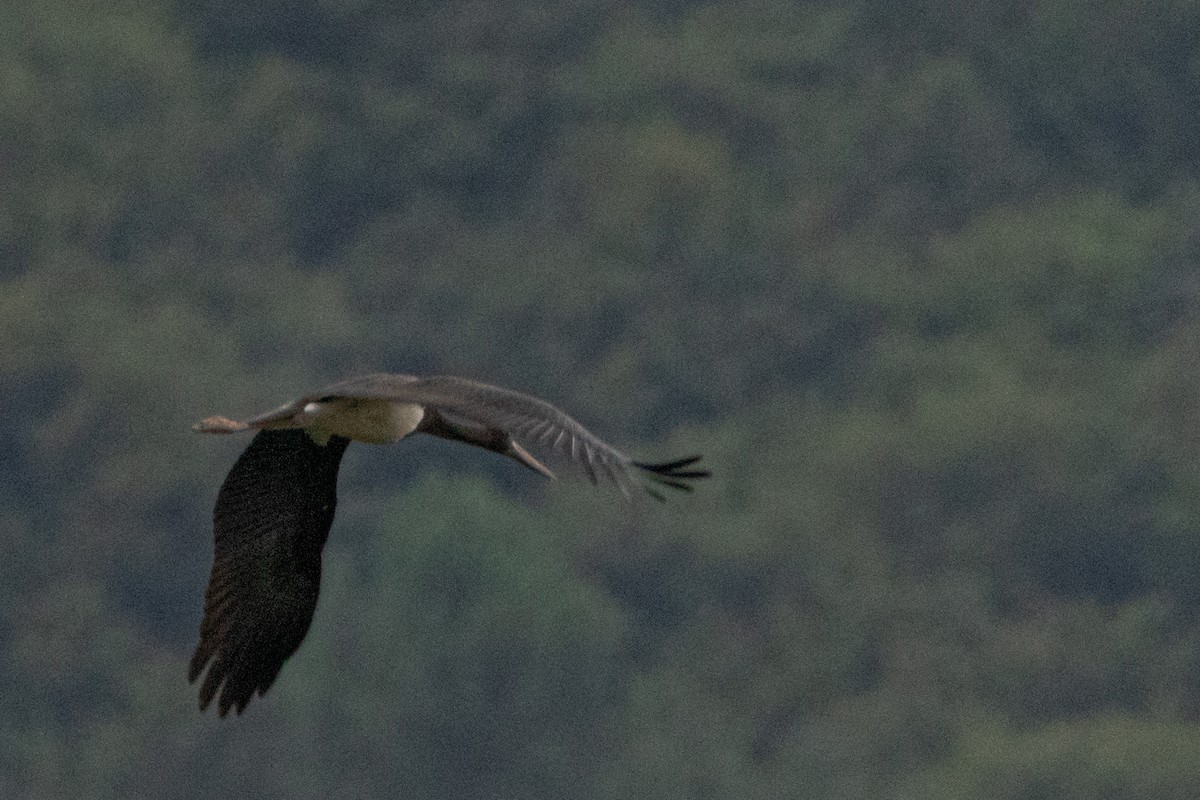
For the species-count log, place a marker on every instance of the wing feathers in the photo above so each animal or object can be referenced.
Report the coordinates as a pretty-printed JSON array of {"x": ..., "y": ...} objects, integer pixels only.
[
  {"x": 270, "y": 523},
  {"x": 672, "y": 474},
  {"x": 528, "y": 419}
]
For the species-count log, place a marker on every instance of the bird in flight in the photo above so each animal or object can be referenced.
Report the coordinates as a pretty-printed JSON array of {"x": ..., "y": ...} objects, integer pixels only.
[{"x": 275, "y": 508}]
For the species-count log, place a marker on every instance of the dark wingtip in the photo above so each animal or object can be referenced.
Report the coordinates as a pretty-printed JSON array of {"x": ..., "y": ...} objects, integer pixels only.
[
  {"x": 199, "y": 660},
  {"x": 673, "y": 474},
  {"x": 668, "y": 466},
  {"x": 657, "y": 495}
]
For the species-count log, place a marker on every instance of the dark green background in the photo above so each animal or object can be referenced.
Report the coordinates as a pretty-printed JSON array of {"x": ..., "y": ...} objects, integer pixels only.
[{"x": 919, "y": 278}]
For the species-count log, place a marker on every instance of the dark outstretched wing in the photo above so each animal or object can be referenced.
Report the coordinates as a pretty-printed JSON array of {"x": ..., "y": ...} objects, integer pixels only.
[
  {"x": 270, "y": 523},
  {"x": 528, "y": 419}
]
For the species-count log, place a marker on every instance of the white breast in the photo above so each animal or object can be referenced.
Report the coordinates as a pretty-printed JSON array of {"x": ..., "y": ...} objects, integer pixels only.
[{"x": 370, "y": 421}]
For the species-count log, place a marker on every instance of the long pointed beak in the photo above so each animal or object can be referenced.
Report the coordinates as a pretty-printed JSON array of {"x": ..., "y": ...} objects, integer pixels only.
[
  {"x": 283, "y": 417},
  {"x": 219, "y": 425}
]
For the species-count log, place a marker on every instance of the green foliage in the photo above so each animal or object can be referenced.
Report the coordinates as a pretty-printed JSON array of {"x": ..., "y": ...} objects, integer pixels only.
[
  {"x": 1105, "y": 757},
  {"x": 916, "y": 277},
  {"x": 461, "y": 656}
]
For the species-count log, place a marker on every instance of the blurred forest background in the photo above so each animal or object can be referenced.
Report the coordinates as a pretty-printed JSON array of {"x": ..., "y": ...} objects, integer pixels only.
[{"x": 918, "y": 277}]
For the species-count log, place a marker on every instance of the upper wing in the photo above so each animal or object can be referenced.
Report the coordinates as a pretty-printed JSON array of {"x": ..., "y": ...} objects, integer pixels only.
[
  {"x": 527, "y": 419},
  {"x": 270, "y": 523}
]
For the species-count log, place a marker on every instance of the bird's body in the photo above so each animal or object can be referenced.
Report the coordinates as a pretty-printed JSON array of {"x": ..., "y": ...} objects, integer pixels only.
[
  {"x": 370, "y": 421},
  {"x": 276, "y": 506}
]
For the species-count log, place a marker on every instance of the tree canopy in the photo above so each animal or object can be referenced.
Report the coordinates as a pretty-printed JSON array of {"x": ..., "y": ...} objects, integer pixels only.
[{"x": 919, "y": 278}]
